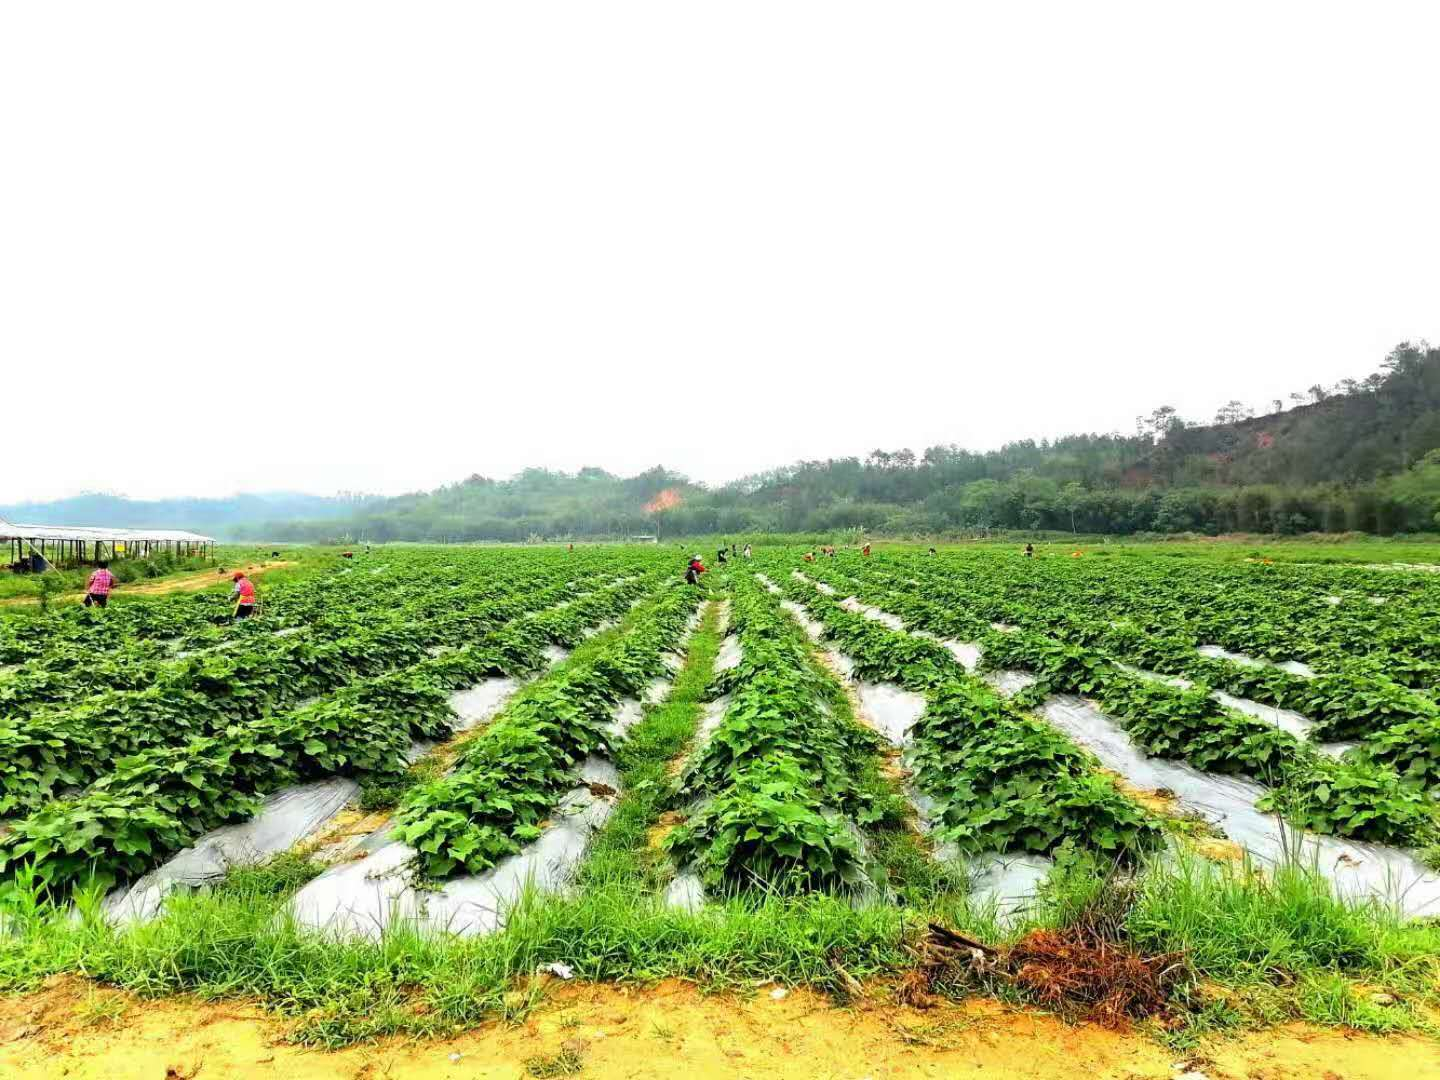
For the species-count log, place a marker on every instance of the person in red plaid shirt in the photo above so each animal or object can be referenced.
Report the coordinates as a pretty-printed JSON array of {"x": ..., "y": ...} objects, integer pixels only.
[{"x": 97, "y": 592}]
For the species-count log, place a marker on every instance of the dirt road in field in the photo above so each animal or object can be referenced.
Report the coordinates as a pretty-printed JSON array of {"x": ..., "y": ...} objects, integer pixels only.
[
  {"x": 76, "y": 1030},
  {"x": 188, "y": 582}
]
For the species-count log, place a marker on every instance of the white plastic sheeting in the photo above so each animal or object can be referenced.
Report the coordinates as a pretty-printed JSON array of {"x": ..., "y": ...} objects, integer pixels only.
[
  {"x": 1357, "y": 870},
  {"x": 1294, "y": 667},
  {"x": 1008, "y": 882},
  {"x": 364, "y": 899},
  {"x": 287, "y": 817},
  {"x": 1299, "y": 726},
  {"x": 629, "y": 713},
  {"x": 894, "y": 622},
  {"x": 685, "y": 891},
  {"x": 655, "y": 692},
  {"x": 1005, "y": 882},
  {"x": 1302, "y": 727},
  {"x": 890, "y": 709},
  {"x": 481, "y": 702},
  {"x": 729, "y": 656}
]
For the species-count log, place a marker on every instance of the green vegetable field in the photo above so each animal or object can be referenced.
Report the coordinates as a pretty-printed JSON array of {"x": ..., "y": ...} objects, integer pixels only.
[{"x": 423, "y": 774}]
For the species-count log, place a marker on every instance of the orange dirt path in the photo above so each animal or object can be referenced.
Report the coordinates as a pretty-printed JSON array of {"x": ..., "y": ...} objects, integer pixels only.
[
  {"x": 190, "y": 581},
  {"x": 76, "y": 1030}
]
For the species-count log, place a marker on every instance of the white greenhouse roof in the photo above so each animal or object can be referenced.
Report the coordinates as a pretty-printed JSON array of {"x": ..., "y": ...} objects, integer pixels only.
[{"x": 12, "y": 530}]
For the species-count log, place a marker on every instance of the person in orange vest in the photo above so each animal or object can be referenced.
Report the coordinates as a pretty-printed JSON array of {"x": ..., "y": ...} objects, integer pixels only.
[
  {"x": 244, "y": 593},
  {"x": 865, "y": 551}
]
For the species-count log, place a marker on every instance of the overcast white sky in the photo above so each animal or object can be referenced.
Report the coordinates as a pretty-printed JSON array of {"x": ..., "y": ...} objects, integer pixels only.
[{"x": 382, "y": 246}]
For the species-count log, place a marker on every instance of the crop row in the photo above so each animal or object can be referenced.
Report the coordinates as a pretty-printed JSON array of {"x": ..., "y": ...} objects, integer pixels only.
[
  {"x": 192, "y": 621},
  {"x": 1358, "y": 797},
  {"x": 69, "y": 672},
  {"x": 509, "y": 779},
  {"x": 776, "y": 793},
  {"x": 403, "y": 586},
  {"x": 1000, "y": 780},
  {"x": 1330, "y": 617},
  {"x": 1348, "y": 702},
  {"x": 69, "y": 747},
  {"x": 153, "y": 803}
]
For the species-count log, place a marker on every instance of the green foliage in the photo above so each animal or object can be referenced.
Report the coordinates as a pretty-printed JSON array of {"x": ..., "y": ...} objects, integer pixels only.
[
  {"x": 109, "y": 787},
  {"x": 510, "y": 778},
  {"x": 786, "y": 778},
  {"x": 1077, "y": 637}
]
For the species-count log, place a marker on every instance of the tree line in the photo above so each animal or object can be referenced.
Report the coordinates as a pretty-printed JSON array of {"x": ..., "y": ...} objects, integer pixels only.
[{"x": 1360, "y": 456}]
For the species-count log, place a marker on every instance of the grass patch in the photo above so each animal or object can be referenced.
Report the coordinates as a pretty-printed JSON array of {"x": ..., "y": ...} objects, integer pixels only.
[
  {"x": 382, "y": 792},
  {"x": 1261, "y": 950},
  {"x": 277, "y": 878},
  {"x": 567, "y": 1062},
  {"x": 101, "y": 1009},
  {"x": 620, "y": 856}
]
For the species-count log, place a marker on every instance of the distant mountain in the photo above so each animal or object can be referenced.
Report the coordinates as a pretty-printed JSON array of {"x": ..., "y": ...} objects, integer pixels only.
[
  {"x": 1363, "y": 455},
  {"x": 1360, "y": 455},
  {"x": 235, "y": 517}
]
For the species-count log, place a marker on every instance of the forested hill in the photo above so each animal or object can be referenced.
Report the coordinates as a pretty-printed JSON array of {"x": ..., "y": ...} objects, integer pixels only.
[{"x": 1351, "y": 456}]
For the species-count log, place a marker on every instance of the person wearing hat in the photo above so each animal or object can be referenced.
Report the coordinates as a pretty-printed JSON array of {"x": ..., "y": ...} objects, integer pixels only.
[
  {"x": 244, "y": 593},
  {"x": 694, "y": 570}
]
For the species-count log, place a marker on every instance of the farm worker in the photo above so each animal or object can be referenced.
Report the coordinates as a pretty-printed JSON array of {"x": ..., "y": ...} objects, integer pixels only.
[
  {"x": 694, "y": 570},
  {"x": 720, "y": 557},
  {"x": 865, "y": 551},
  {"x": 97, "y": 590},
  {"x": 747, "y": 551},
  {"x": 1076, "y": 554},
  {"x": 809, "y": 556},
  {"x": 933, "y": 551},
  {"x": 571, "y": 547},
  {"x": 244, "y": 593},
  {"x": 1029, "y": 551}
]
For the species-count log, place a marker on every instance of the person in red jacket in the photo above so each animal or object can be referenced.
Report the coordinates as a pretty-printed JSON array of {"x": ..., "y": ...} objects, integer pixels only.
[
  {"x": 694, "y": 570},
  {"x": 244, "y": 593}
]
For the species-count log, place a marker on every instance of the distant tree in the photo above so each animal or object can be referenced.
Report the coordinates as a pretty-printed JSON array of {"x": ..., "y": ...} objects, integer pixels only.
[
  {"x": 1158, "y": 424},
  {"x": 1072, "y": 499},
  {"x": 1232, "y": 412},
  {"x": 1318, "y": 393}
]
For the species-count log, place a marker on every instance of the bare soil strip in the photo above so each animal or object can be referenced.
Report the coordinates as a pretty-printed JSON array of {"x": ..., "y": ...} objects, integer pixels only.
[{"x": 75, "y": 1029}]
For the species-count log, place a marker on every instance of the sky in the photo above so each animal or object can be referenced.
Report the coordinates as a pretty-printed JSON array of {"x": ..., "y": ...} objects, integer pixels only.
[{"x": 379, "y": 247}]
